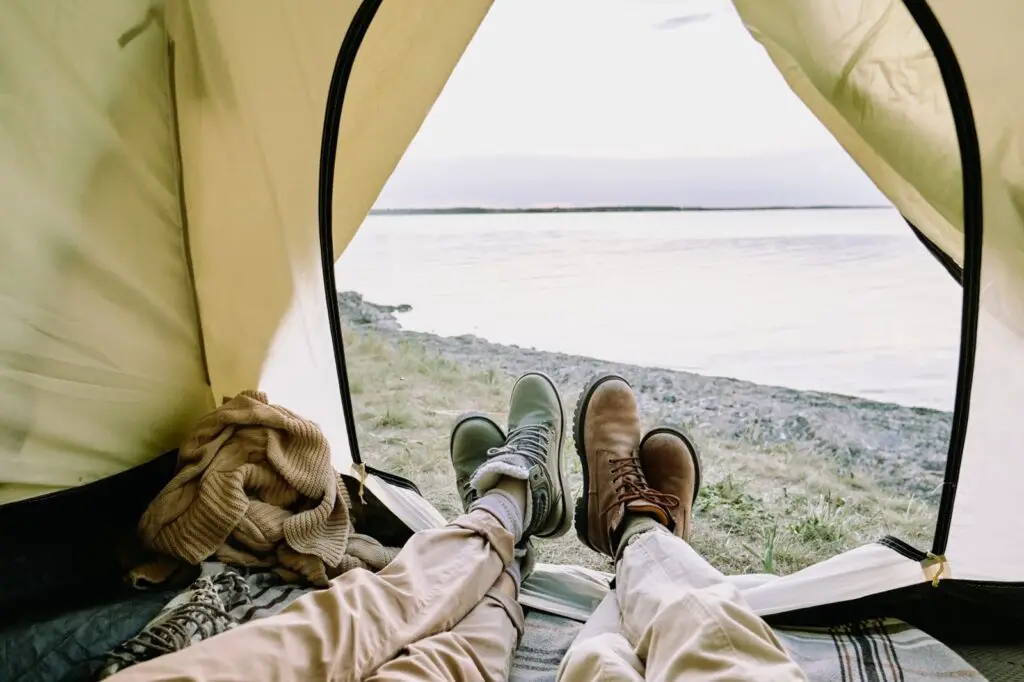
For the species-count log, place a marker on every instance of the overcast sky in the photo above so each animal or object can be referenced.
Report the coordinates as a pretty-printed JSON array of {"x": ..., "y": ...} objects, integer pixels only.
[{"x": 615, "y": 79}]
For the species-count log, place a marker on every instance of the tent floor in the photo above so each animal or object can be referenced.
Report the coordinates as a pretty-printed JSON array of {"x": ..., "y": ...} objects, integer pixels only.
[{"x": 998, "y": 663}]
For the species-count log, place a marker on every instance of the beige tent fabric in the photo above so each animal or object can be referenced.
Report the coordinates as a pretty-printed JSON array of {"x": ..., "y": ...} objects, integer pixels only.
[
  {"x": 866, "y": 71},
  {"x": 985, "y": 526},
  {"x": 251, "y": 81},
  {"x": 101, "y": 355},
  {"x": 100, "y": 366}
]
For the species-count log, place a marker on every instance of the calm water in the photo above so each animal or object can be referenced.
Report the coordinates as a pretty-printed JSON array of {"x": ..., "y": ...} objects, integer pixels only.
[{"x": 837, "y": 300}]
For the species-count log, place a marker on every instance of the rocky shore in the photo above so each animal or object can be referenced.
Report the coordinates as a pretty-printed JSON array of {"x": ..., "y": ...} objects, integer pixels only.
[{"x": 901, "y": 448}]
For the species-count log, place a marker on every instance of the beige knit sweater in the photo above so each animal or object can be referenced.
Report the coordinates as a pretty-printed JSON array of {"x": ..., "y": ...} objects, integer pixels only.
[{"x": 255, "y": 487}]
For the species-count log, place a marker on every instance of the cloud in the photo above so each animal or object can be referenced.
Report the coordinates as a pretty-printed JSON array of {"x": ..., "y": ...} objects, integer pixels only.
[{"x": 677, "y": 22}]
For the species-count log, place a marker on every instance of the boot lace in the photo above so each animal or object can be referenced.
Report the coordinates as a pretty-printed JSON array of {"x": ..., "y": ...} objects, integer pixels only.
[
  {"x": 530, "y": 441},
  {"x": 204, "y": 615},
  {"x": 631, "y": 484}
]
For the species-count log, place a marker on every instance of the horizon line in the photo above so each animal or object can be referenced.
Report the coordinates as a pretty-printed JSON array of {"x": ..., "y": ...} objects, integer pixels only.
[{"x": 613, "y": 209}]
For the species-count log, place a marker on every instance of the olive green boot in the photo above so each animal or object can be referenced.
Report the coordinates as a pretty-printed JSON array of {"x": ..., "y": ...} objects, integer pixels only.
[
  {"x": 533, "y": 453},
  {"x": 473, "y": 435}
]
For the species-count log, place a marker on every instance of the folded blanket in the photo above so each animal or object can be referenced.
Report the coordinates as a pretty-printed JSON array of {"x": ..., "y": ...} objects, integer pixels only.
[{"x": 255, "y": 487}]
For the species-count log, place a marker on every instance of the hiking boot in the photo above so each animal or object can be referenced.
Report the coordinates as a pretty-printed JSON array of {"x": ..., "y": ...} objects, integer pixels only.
[
  {"x": 607, "y": 434},
  {"x": 473, "y": 435},
  {"x": 670, "y": 464},
  {"x": 533, "y": 452}
]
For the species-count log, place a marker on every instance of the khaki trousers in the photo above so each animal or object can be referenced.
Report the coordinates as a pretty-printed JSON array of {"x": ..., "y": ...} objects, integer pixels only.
[
  {"x": 674, "y": 617},
  {"x": 429, "y": 615}
]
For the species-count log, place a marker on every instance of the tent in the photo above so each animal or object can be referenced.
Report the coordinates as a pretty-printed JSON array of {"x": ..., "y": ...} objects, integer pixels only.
[{"x": 179, "y": 178}]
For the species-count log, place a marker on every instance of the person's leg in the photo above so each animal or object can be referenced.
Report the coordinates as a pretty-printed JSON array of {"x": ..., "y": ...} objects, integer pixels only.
[
  {"x": 682, "y": 618},
  {"x": 608, "y": 657},
  {"x": 346, "y": 631},
  {"x": 350, "y": 629},
  {"x": 479, "y": 647},
  {"x": 600, "y": 652}
]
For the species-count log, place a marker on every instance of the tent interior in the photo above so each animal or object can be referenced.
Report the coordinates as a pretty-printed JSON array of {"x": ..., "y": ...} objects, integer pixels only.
[{"x": 180, "y": 179}]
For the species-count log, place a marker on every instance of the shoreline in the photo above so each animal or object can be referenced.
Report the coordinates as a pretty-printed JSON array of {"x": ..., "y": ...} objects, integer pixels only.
[
  {"x": 474, "y": 210},
  {"x": 901, "y": 448}
]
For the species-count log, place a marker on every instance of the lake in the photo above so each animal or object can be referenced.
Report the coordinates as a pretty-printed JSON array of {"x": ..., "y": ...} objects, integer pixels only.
[{"x": 845, "y": 301}]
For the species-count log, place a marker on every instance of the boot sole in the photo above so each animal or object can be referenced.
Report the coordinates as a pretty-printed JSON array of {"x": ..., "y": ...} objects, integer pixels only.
[
  {"x": 582, "y": 518},
  {"x": 563, "y": 483},
  {"x": 694, "y": 455}
]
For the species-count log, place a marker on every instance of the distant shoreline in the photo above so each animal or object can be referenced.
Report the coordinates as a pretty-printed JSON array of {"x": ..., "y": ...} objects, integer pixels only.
[{"x": 469, "y": 210}]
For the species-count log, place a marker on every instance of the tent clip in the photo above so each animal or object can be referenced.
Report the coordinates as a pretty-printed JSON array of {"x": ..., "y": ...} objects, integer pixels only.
[
  {"x": 940, "y": 559},
  {"x": 362, "y": 481}
]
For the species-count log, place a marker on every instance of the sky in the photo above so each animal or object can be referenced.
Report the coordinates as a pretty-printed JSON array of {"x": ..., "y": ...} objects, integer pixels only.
[{"x": 627, "y": 79}]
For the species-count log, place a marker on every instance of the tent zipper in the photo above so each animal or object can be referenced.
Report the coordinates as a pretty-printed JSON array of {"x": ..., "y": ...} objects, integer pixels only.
[
  {"x": 328, "y": 152},
  {"x": 970, "y": 161}
]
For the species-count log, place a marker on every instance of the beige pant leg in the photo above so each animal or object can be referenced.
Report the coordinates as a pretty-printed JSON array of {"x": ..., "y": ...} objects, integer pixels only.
[
  {"x": 600, "y": 652},
  {"x": 687, "y": 623},
  {"x": 607, "y": 657},
  {"x": 479, "y": 647},
  {"x": 347, "y": 631}
]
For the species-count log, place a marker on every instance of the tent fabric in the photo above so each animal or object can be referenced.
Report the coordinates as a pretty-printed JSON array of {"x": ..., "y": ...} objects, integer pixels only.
[
  {"x": 100, "y": 364},
  {"x": 251, "y": 81},
  {"x": 106, "y": 360},
  {"x": 34, "y": 575},
  {"x": 865, "y": 69},
  {"x": 575, "y": 592},
  {"x": 984, "y": 523}
]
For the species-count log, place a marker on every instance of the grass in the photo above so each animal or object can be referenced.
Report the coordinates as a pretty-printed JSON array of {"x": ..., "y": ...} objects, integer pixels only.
[{"x": 759, "y": 510}]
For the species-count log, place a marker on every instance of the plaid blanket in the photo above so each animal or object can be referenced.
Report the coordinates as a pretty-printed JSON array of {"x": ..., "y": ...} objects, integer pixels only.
[{"x": 876, "y": 651}]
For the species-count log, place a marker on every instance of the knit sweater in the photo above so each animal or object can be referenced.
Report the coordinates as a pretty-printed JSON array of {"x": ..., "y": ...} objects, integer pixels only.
[{"x": 255, "y": 487}]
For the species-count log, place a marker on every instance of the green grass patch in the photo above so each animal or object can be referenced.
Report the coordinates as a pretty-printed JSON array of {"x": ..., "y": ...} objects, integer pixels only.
[{"x": 394, "y": 419}]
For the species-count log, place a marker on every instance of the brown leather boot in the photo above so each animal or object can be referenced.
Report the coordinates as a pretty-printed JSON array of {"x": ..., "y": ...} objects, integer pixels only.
[
  {"x": 607, "y": 434},
  {"x": 671, "y": 466}
]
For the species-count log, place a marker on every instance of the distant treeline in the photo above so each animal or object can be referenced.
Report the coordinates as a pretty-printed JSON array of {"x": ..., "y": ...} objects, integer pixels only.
[{"x": 602, "y": 209}]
